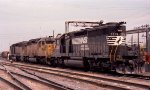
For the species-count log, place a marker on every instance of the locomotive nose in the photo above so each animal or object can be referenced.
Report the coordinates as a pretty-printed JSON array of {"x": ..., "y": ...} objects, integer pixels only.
[{"x": 115, "y": 40}]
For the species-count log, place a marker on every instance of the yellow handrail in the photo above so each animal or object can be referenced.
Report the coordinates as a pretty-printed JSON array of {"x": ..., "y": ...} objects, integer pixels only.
[
  {"x": 111, "y": 54},
  {"x": 115, "y": 51}
]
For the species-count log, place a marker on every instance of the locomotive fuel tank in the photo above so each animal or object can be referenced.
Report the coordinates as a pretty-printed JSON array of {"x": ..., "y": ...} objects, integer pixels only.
[{"x": 74, "y": 63}]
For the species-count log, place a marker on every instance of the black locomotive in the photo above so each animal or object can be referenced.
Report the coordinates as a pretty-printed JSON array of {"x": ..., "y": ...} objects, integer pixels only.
[{"x": 102, "y": 46}]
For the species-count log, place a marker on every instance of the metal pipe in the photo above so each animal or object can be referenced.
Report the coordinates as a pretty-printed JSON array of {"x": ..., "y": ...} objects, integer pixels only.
[{"x": 137, "y": 30}]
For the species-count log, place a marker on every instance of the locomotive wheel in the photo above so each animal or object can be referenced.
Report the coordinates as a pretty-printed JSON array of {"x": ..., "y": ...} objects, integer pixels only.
[
  {"x": 100, "y": 66},
  {"x": 24, "y": 59},
  {"x": 17, "y": 59},
  {"x": 125, "y": 68},
  {"x": 121, "y": 68},
  {"x": 53, "y": 62},
  {"x": 48, "y": 61},
  {"x": 38, "y": 60},
  {"x": 142, "y": 69},
  {"x": 86, "y": 65},
  {"x": 103, "y": 67},
  {"x": 60, "y": 62},
  {"x": 27, "y": 59}
]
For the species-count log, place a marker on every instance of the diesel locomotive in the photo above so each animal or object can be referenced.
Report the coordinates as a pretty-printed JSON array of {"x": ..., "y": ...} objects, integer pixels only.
[
  {"x": 100, "y": 46},
  {"x": 39, "y": 50}
]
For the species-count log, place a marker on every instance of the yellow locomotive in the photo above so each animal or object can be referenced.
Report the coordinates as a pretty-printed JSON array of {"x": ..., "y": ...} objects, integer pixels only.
[{"x": 39, "y": 50}]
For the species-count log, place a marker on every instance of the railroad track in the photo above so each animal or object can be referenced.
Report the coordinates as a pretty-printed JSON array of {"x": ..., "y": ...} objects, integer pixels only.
[
  {"x": 10, "y": 84},
  {"x": 137, "y": 76},
  {"x": 77, "y": 76},
  {"x": 41, "y": 80},
  {"x": 20, "y": 84},
  {"x": 143, "y": 77},
  {"x": 110, "y": 73}
]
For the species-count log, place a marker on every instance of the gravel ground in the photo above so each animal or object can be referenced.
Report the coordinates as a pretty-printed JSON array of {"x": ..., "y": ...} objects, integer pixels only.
[
  {"x": 64, "y": 81},
  {"x": 2, "y": 60},
  {"x": 73, "y": 83},
  {"x": 33, "y": 84},
  {"x": 95, "y": 80},
  {"x": 77, "y": 85},
  {"x": 5, "y": 86},
  {"x": 140, "y": 81},
  {"x": 30, "y": 83}
]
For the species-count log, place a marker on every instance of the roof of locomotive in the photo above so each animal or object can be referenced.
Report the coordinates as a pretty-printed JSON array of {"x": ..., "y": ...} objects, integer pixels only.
[
  {"x": 20, "y": 43},
  {"x": 50, "y": 38},
  {"x": 101, "y": 26},
  {"x": 33, "y": 40}
]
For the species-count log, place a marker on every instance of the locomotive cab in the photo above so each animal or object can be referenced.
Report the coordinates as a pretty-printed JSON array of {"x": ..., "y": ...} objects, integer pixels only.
[{"x": 45, "y": 47}]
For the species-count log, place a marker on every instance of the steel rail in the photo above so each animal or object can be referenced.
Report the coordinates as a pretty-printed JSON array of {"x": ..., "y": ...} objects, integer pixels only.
[
  {"x": 84, "y": 75},
  {"x": 87, "y": 81},
  {"x": 40, "y": 80},
  {"x": 18, "y": 81},
  {"x": 11, "y": 84},
  {"x": 98, "y": 78},
  {"x": 99, "y": 84},
  {"x": 54, "y": 84},
  {"x": 83, "y": 80},
  {"x": 127, "y": 75}
]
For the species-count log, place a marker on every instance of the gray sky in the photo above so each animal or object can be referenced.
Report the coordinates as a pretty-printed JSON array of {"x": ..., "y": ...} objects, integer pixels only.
[{"x": 25, "y": 19}]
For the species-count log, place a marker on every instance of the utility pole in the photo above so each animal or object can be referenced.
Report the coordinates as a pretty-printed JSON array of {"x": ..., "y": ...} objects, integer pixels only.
[
  {"x": 53, "y": 33},
  {"x": 147, "y": 36},
  {"x": 138, "y": 45}
]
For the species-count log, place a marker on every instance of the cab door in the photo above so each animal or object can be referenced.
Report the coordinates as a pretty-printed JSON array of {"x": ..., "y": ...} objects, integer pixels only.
[{"x": 63, "y": 45}]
